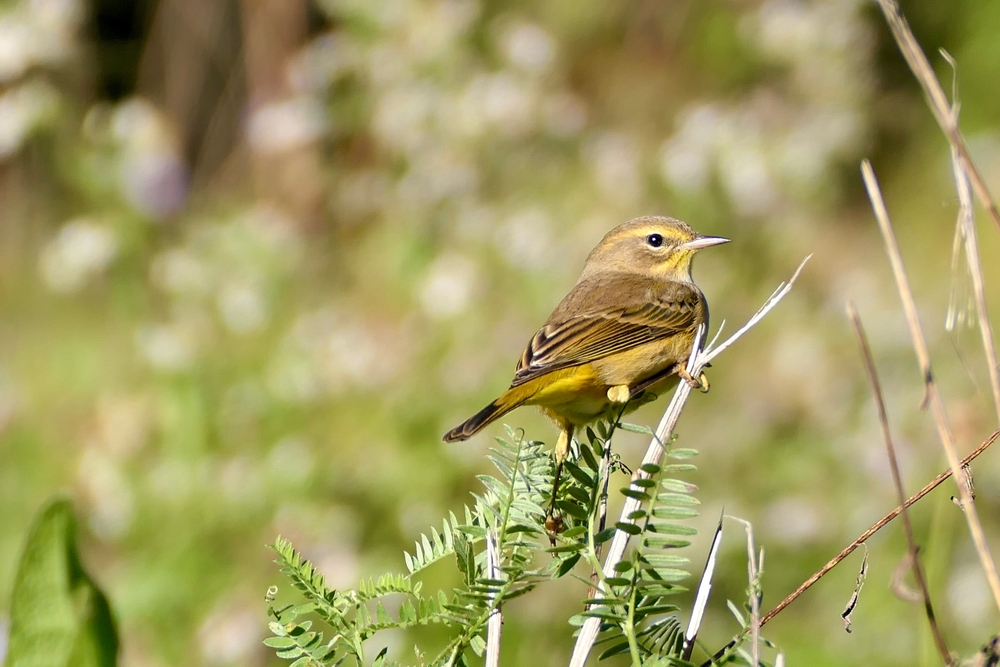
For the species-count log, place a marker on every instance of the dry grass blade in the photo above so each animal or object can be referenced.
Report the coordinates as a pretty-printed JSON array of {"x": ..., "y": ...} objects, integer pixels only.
[
  {"x": 883, "y": 419},
  {"x": 861, "y": 539},
  {"x": 495, "y": 625},
  {"x": 923, "y": 357},
  {"x": 701, "y": 597},
  {"x": 655, "y": 452},
  {"x": 755, "y": 564},
  {"x": 936, "y": 98},
  {"x": 967, "y": 224}
]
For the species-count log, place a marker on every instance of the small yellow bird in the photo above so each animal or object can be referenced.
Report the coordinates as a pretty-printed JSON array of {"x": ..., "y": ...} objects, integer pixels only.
[{"x": 626, "y": 327}]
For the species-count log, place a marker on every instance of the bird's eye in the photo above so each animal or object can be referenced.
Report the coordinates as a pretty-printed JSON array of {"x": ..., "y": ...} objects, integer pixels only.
[{"x": 655, "y": 240}]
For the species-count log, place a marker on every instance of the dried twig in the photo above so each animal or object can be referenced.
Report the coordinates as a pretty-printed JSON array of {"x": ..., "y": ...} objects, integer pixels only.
[
  {"x": 755, "y": 564},
  {"x": 495, "y": 624},
  {"x": 936, "y": 99},
  {"x": 923, "y": 358},
  {"x": 967, "y": 224},
  {"x": 861, "y": 539},
  {"x": 655, "y": 452},
  {"x": 883, "y": 419},
  {"x": 856, "y": 595}
]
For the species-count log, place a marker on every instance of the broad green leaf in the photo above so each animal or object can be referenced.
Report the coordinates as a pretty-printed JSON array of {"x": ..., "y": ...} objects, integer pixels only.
[{"x": 58, "y": 618}]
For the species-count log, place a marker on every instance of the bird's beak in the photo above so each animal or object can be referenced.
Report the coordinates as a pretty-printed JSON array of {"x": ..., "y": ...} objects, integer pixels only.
[{"x": 704, "y": 242}]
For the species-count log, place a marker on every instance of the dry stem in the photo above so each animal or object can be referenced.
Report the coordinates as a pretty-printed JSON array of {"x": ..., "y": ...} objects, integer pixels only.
[
  {"x": 936, "y": 99},
  {"x": 883, "y": 419},
  {"x": 495, "y": 624},
  {"x": 861, "y": 539},
  {"x": 655, "y": 452},
  {"x": 968, "y": 227},
  {"x": 923, "y": 357}
]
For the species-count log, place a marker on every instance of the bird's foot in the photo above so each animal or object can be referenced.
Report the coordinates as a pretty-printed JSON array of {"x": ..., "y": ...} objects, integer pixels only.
[{"x": 700, "y": 383}]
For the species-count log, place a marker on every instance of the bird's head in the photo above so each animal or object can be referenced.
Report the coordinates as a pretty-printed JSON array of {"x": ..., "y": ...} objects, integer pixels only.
[{"x": 652, "y": 245}]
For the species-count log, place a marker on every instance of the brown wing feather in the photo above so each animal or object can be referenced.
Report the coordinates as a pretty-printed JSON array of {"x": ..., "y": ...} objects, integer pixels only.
[{"x": 580, "y": 331}]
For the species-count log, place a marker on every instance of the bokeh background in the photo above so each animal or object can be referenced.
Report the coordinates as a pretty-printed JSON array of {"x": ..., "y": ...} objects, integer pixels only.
[{"x": 256, "y": 256}]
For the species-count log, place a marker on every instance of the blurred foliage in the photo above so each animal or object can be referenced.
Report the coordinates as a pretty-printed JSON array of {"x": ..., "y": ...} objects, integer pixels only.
[{"x": 254, "y": 261}]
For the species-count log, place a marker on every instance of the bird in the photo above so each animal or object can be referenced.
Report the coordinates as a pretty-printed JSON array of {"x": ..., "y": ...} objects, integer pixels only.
[{"x": 625, "y": 330}]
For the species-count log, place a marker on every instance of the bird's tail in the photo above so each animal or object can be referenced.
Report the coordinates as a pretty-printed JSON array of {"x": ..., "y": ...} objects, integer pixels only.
[{"x": 511, "y": 399}]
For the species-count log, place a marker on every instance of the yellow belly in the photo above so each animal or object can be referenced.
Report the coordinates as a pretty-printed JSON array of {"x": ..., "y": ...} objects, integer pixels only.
[{"x": 579, "y": 395}]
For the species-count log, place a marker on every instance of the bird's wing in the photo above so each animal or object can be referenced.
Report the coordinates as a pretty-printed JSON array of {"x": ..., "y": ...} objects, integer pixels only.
[{"x": 576, "y": 338}]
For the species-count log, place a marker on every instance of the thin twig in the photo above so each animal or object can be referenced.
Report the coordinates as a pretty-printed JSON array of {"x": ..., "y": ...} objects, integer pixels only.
[
  {"x": 936, "y": 99},
  {"x": 883, "y": 419},
  {"x": 967, "y": 223},
  {"x": 937, "y": 405},
  {"x": 861, "y": 539},
  {"x": 495, "y": 625},
  {"x": 655, "y": 452}
]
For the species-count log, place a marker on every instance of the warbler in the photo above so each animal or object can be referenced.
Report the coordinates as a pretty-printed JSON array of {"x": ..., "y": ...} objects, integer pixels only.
[{"x": 626, "y": 327}]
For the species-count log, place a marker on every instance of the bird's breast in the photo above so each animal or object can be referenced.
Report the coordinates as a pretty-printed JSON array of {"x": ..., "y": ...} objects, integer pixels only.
[{"x": 639, "y": 363}]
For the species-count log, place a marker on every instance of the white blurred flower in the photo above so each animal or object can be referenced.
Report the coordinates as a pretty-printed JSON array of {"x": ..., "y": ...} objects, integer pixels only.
[
  {"x": 165, "y": 348},
  {"x": 323, "y": 61},
  {"x": 614, "y": 160},
  {"x": 16, "y": 46},
  {"x": 23, "y": 109},
  {"x": 433, "y": 29},
  {"x": 230, "y": 635},
  {"x": 747, "y": 180},
  {"x": 285, "y": 125},
  {"x": 525, "y": 238},
  {"x": 436, "y": 174},
  {"x": 39, "y": 32},
  {"x": 180, "y": 272},
  {"x": 528, "y": 46},
  {"x": 402, "y": 115},
  {"x": 507, "y": 103},
  {"x": 684, "y": 165},
  {"x": 243, "y": 308},
  {"x": 80, "y": 250},
  {"x": 449, "y": 286}
]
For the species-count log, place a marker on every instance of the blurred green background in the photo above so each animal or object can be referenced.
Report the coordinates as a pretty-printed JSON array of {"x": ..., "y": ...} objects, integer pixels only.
[{"x": 256, "y": 257}]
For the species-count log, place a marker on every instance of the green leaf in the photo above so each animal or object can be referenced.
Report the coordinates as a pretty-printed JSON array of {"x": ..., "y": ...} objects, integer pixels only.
[
  {"x": 629, "y": 528},
  {"x": 677, "y": 499},
  {"x": 678, "y": 486},
  {"x": 566, "y": 565},
  {"x": 635, "y": 428},
  {"x": 682, "y": 453},
  {"x": 633, "y": 493},
  {"x": 58, "y": 615},
  {"x": 674, "y": 512}
]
